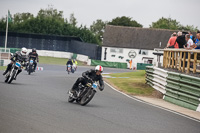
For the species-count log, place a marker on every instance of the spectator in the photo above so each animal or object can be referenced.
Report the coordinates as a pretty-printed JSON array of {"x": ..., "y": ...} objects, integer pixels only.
[
  {"x": 172, "y": 42},
  {"x": 190, "y": 46},
  {"x": 181, "y": 39},
  {"x": 197, "y": 42},
  {"x": 192, "y": 37},
  {"x": 130, "y": 62},
  {"x": 189, "y": 42}
]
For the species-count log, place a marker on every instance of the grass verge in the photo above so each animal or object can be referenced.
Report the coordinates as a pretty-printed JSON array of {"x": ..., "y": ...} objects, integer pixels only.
[
  {"x": 134, "y": 85},
  {"x": 57, "y": 61},
  {"x": 52, "y": 60}
]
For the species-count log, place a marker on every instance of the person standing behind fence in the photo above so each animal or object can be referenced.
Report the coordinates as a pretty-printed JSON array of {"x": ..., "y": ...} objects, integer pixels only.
[
  {"x": 181, "y": 39},
  {"x": 130, "y": 62},
  {"x": 172, "y": 42},
  {"x": 189, "y": 42}
]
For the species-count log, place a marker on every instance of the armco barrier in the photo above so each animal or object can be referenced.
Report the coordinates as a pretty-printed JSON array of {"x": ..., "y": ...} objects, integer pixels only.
[
  {"x": 180, "y": 89},
  {"x": 109, "y": 64}
]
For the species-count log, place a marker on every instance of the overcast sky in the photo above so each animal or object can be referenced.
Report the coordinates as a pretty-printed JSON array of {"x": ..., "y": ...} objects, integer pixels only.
[{"x": 86, "y": 11}]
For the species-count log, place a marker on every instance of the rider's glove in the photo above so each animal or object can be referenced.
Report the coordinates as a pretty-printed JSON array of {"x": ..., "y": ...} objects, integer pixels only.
[
  {"x": 100, "y": 88},
  {"x": 90, "y": 80}
]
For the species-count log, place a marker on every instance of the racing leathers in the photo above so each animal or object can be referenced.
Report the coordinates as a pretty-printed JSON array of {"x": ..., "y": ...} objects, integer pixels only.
[
  {"x": 69, "y": 62},
  {"x": 16, "y": 57},
  {"x": 34, "y": 57},
  {"x": 88, "y": 76}
]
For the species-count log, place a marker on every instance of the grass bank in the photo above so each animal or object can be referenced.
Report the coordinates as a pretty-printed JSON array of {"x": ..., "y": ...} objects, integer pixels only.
[
  {"x": 51, "y": 60},
  {"x": 57, "y": 61},
  {"x": 134, "y": 85}
]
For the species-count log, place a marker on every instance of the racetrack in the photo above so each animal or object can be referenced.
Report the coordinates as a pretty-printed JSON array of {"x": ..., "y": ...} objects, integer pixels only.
[{"x": 37, "y": 103}]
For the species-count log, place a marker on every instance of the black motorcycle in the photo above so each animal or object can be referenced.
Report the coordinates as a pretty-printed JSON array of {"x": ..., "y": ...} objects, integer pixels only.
[
  {"x": 12, "y": 74},
  {"x": 84, "y": 94},
  {"x": 30, "y": 66}
]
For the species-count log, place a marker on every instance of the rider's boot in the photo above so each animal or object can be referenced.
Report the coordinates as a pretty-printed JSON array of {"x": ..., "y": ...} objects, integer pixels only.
[
  {"x": 73, "y": 90},
  {"x": 7, "y": 69}
]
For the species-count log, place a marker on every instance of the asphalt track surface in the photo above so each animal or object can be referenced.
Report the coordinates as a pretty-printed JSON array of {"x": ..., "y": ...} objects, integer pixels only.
[{"x": 37, "y": 103}]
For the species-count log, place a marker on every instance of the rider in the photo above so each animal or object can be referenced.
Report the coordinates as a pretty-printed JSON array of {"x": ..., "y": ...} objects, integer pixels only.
[
  {"x": 69, "y": 62},
  {"x": 34, "y": 56},
  {"x": 91, "y": 76},
  {"x": 18, "y": 56},
  {"x": 75, "y": 63}
]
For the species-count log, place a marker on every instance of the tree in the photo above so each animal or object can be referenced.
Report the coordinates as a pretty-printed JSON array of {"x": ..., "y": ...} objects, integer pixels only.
[
  {"x": 168, "y": 23},
  {"x": 72, "y": 20},
  {"x": 21, "y": 17},
  {"x": 124, "y": 21},
  {"x": 98, "y": 28}
]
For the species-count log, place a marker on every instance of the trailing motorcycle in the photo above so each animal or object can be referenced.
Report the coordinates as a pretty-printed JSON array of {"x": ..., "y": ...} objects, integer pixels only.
[
  {"x": 12, "y": 74},
  {"x": 70, "y": 69},
  {"x": 84, "y": 94},
  {"x": 30, "y": 67}
]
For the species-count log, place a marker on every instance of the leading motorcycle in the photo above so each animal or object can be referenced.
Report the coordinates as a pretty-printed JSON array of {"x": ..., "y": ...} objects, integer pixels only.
[
  {"x": 84, "y": 94},
  {"x": 12, "y": 74}
]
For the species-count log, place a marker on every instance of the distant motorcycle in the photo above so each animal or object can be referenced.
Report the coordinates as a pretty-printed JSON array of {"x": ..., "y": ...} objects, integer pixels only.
[
  {"x": 84, "y": 94},
  {"x": 12, "y": 74},
  {"x": 70, "y": 69},
  {"x": 30, "y": 67}
]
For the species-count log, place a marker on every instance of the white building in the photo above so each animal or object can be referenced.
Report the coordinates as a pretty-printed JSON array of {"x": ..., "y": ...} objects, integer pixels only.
[{"x": 121, "y": 44}]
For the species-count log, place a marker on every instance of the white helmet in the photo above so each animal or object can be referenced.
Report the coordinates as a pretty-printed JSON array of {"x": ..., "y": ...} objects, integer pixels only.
[
  {"x": 24, "y": 51},
  {"x": 99, "y": 68}
]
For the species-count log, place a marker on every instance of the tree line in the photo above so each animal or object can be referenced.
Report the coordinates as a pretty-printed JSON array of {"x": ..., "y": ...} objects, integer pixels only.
[{"x": 50, "y": 21}]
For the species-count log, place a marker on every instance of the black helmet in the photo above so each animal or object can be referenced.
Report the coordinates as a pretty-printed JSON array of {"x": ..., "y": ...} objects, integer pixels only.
[{"x": 34, "y": 50}]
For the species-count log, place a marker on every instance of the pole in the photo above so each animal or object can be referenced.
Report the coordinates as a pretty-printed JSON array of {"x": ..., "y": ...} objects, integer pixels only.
[{"x": 6, "y": 34}]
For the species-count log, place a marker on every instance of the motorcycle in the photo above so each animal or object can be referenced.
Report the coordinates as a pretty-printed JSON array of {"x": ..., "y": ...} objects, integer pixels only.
[
  {"x": 84, "y": 94},
  {"x": 70, "y": 69},
  {"x": 30, "y": 67},
  {"x": 13, "y": 72}
]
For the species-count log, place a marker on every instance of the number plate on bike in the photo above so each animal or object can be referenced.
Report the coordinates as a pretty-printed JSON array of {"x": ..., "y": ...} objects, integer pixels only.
[
  {"x": 94, "y": 86},
  {"x": 17, "y": 64}
]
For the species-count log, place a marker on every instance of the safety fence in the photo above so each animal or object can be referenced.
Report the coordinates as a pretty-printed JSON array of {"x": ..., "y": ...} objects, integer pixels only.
[
  {"x": 182, "y": 59},
  {"x": 180, "y": 89},
  {"x": 109, "y": 64}
]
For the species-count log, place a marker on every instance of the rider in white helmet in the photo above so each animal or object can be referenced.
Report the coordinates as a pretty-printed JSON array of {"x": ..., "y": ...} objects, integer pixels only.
[
  {"x": 90, "y": 76},
  {"x": 18, "y": 56}
]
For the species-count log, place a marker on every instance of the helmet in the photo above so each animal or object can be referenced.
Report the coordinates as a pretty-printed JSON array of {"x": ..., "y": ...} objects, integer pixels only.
[
  {"x": 24, "y": 51},
  {"x": 34, "y": 50},
  {"x": 99, "y": 68}
]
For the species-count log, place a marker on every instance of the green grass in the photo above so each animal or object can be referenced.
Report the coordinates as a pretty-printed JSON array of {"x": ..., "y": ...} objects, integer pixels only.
[
  {"x": 57, "y": 61},
  {"x": 2, "y": 67},
  {"x": 51, "y": 60},
  {"x": 134, "y": 85}
]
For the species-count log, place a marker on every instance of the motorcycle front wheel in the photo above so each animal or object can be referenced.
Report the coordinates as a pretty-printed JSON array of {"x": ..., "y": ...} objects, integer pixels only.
[
  {"x": 87, "y": 97},
  {"x": 11, "y": 76}
]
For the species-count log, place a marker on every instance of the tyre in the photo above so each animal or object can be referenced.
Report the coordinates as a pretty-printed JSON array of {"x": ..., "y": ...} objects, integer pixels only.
[
  {"x": 6, "y": 80},
  {"x": 29, "y": 70},
  {"x": 11, "y": 76},
  {"x": 87, "y": 97}
]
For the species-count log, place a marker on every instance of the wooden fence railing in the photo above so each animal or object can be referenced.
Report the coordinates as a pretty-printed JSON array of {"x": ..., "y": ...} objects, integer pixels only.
[{"x": 182, "y": 59}]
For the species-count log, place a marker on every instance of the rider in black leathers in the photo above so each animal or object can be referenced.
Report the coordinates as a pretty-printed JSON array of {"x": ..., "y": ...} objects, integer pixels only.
[
  {"x": 18, "y": 56},
  {"x": 91, "y": 76},
  {"x": 69, "y": 62},
  {"x": 34, "y": 56}
]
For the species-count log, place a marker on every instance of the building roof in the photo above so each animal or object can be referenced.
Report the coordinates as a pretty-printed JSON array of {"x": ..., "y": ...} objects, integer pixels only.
[{"x": 135, "y": 38}]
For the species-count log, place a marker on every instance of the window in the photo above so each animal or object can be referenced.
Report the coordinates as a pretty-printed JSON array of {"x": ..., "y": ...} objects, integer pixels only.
[
  {"x": 116, "y": 50},
  {"x": 143, "y": 52}
]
